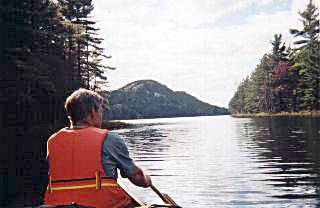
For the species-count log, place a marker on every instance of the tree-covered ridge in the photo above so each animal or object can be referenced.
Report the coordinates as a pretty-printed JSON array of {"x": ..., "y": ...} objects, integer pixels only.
[
  {"x": 48, "y": 49},
  {"x": 150, "y": 99},
  {"x": 286, "y": 79}
]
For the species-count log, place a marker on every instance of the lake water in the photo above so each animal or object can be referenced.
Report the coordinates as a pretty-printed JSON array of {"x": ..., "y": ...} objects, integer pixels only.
[{"x": 229, "y": 162}]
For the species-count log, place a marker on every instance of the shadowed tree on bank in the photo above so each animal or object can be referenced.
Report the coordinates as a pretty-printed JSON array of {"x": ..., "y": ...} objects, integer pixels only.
[{"x": 37, "y": 73}]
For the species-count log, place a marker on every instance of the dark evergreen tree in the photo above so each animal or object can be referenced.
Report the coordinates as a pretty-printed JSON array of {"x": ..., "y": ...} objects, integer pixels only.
[
  {"x": 236, "y": 102},
  {"x": 281, "y": 87},
  {"x": 33, "y": 78},
  {"x": 279, "y": 80},
  {"x": 263, "y": 82},
  {"x": 278, "y": 48},
  {"x": 38, "y": 61},
  {"x": 306, "y": 60},
  {"x": 84, "y": 42}
]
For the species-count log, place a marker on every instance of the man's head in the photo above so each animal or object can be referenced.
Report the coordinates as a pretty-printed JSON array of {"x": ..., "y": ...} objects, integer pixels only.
[{"x": 85, "y": 106}]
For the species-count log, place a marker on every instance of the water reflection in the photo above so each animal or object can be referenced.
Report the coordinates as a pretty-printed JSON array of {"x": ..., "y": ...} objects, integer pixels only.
[
  {"x": 287, "y": 150},
  {"x": 147, "y": 142},
  {"x": 227, "y": 162}
]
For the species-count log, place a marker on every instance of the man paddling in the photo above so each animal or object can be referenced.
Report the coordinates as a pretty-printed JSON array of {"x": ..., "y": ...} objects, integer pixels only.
[{"x": 83, "y": 158}]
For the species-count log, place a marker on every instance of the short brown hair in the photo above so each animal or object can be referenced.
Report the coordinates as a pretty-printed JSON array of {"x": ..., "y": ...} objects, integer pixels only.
[{"x": 80, "y": 103}]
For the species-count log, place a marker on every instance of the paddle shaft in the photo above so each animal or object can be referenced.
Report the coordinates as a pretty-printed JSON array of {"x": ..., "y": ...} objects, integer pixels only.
[
  {"x": 158, "y": 193},
  {"x": 165, "y": 197}
]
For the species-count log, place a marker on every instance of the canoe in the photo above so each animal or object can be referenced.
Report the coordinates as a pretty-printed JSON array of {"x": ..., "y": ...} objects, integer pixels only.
[{"x": 136, "y": 204}]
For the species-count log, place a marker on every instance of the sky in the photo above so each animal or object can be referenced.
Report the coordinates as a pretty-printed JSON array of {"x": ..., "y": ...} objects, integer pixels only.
[{"x": 202, "y": 47}]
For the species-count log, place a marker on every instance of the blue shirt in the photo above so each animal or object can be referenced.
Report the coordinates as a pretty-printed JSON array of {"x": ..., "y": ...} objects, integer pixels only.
[{"x": 115, "y": 155}]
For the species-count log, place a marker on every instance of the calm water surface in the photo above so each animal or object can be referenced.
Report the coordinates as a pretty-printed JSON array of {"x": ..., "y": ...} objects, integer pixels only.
[{"x": 229, "y": 162}]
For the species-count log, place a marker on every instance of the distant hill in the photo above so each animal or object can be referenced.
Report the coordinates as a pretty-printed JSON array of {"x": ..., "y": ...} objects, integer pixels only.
[{"x": 150, "y": 99}]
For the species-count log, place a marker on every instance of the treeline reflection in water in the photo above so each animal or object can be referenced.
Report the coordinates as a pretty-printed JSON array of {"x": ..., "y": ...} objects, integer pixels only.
[
  {"x": 228, "y": 162},
  {"x": 288, "y": 151}
]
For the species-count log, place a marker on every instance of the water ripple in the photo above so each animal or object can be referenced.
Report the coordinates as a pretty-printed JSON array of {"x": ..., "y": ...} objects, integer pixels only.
[{"x": 227, "y": 162}]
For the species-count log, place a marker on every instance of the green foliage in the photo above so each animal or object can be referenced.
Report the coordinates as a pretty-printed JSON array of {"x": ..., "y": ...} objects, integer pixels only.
[
  {"x": 39, "y": 58},
  {"x": 310, "y": 32},
  {"x": 33, "y": 85},
  {"x": 254, "y": 93},
  {"x": 236, "y": 103},
  {"x": 278, "y": 48},
  {"x": 83, "y": 43},
  {"x": 306, "y": 60},
  {"x": 307, "y": 68},
  {"x": 285, "y": 80}
]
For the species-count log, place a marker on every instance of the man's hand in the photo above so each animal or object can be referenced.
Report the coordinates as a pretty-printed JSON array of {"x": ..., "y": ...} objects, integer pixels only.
[
  {"x": 138, "y": 178},
  {"x": 147, "y": 180}
]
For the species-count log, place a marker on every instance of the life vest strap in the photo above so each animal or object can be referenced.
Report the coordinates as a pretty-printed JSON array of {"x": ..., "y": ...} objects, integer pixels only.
[
  {"x": 56, "y": 188},
  {"x": 80, "y": 183},
  {"x": 78, "y": 179},
  {"x": 98, "y": 179}
]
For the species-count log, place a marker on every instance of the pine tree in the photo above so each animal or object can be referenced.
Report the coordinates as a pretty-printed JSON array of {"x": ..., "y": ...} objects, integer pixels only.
[
  {"x": 236, "y": 104},
  {"x": 250, "y": 96},
  {"x": 38, "y": 61},
  {"x": 279, "y": 80},
  {"x": 258, "y": 91},
  {"x": 306, "y": 60},
  {"x": 33, "y": 79},
  {"x": 262, "y": 80},
  {"x": 84, "y": 42},
  {"x": 278, "y": 48},
  {"x": 286, "y": 79}
]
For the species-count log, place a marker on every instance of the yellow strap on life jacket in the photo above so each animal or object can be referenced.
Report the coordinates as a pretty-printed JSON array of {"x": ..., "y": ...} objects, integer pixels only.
[
  {"x": 98, "y": 184},
  {"x": 98, "y": 180},
  {"x": 52, "y": 188}
]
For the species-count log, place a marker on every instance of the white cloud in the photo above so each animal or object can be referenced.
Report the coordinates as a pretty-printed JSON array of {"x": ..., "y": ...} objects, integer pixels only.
[
  {"x": 160, "y": 40},
  {"x": 184, "y": 13}
]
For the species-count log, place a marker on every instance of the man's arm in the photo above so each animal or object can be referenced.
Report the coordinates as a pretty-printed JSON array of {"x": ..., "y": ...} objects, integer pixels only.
[{"x": 116, "y": 155}]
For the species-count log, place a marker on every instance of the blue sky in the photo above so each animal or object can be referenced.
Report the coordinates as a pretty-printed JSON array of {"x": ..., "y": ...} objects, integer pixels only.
[
  {"x": 239, "y": 17},
  {"x": 203, "y": 47}
]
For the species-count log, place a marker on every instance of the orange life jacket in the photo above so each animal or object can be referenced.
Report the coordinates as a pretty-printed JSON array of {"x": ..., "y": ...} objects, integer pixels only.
[{"x": 76, "y": 171}]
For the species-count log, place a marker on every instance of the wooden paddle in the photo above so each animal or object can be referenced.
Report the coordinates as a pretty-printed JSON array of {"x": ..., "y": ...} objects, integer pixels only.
[{"x": 165, "y": 197}]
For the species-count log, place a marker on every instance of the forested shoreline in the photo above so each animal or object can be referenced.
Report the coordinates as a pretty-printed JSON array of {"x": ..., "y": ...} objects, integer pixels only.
[
  {"x": 47, "y": 50},
  {"x": 287, "y": 79}
]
